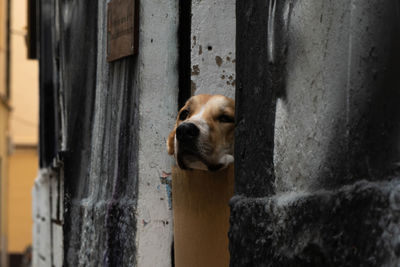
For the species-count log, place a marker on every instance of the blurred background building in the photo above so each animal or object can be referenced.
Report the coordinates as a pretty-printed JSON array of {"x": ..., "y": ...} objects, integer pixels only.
[
  {"x": 18, "y": 132},
  {"x": 5, "y": 109}
]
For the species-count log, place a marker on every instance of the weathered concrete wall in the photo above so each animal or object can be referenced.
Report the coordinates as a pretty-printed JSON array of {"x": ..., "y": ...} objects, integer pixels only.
[
  {"x": 135, "y": 104},
  {"x": 113, "y": 120},
  {"x": 213, "y": 47},
  {"x": 339, "y": 99},
  {"x": 158, "y": 83},
  {"x": 356, "y": 225},
  {"x": 47, "y": 215},
  {"x": 48, "y": 191},
  {"x": 321, "y": 188}
]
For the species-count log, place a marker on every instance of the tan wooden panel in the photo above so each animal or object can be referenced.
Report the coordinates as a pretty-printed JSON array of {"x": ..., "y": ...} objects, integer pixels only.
[{"x": 201, "y": 217}]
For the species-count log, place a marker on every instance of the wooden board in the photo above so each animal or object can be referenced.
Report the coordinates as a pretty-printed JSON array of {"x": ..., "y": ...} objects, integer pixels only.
[
  {"x": 201, "y": 217},
  {"x": 122, "y": 29}
]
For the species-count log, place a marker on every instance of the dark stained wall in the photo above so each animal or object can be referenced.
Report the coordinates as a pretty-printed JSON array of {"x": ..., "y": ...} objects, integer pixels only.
[
  {"x": 101, "y": 144},
  {"x": 92, "y": 126},
  {"x": 104, "y": 126},
  {"x": 49, "y": 134},
  {"x": 316, "y": 178}
]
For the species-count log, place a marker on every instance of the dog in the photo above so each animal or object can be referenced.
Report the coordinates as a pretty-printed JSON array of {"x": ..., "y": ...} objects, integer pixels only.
[{"x": 203, "y": 136}]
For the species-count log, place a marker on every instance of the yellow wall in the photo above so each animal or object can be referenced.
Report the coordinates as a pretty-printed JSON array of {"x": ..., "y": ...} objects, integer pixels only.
[
  {"x": 3, "y": 46},
  {"x": 3, "y": 182},
  {"x": 23, "y": 170},
  {"x": 4, "y": 130},
  {"x": 24, "y": 80},
  {"x": 24, "y": 132}
]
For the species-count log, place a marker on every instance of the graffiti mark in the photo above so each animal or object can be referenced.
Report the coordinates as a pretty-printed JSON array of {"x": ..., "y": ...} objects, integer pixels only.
[{"x": 167, "y": 181}]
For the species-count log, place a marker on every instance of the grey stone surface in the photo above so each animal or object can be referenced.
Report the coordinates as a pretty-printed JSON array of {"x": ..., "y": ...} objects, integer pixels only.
[
  {"x": 213, "y": 47},
  {"x": 157, "y": 80},
  {"x": 357, "y": 225},
  {"x": 255, "y": 102},
  {"x": 116, "y": 117},
  {"x": 322, "y": 188},
  {"x": 41, "y": 213},
  {"x": 337, "y": 120}
]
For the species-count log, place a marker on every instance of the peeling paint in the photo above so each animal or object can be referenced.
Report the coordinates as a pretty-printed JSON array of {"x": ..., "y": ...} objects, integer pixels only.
[
  {"x": 195, "y": 70},
  {"x": 218, "y": 60},
  {"x": 167, "y": 181},
  {"x": 192, "y": 87},
  {"x": 214, "y": 28}
]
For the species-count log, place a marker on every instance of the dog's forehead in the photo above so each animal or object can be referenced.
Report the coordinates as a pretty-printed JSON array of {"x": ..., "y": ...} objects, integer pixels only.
[
  {"x": 201, "y": 103},
  {"x": 219, "y": 102},
  {"x": 196, "y": 103}
]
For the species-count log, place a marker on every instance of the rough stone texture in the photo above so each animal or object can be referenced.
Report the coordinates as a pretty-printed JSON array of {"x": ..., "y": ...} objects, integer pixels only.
[
  {"x": 113, "y": 179},
  {"x": 338, "y": 117},
  {"x": 333, "y": 66},
  {"x": 213, "y": 47},
  {"x": 357, "y": 225},
  {"x": 255, "y": 103}
]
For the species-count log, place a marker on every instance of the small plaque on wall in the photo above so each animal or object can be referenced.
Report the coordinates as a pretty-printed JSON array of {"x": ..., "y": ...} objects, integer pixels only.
[{"x": 122, "y": 29}]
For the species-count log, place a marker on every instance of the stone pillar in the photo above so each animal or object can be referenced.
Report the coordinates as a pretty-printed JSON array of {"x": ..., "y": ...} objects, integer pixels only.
[{"x": 321, "y": 186}]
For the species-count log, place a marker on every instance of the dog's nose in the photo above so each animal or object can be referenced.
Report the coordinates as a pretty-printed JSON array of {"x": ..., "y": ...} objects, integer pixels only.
[{"x": 187, "y": 131}]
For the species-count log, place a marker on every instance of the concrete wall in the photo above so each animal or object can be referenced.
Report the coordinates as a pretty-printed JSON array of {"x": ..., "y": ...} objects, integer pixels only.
[
  {"x": 334, "y": 84},
  {"x": 319, "y": 186},
  {"x": 47, "y": 215},
  {"x": 316, "y": 141},
  {"x": 157, "y": 81},
  {"x": 213, "y": 47},
  {"x": 112, "y": 145}
]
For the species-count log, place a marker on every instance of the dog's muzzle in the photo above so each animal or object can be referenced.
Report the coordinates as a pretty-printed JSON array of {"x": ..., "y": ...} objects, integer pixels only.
[{"x": 187, "y": 133}]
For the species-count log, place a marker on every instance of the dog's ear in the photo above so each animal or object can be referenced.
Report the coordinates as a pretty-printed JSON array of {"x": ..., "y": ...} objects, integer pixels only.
[{"x": 171, "y": 142}]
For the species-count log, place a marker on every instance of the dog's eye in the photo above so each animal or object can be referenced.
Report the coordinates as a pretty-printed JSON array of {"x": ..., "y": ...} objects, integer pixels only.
[
  {"x": 184, "y": 114},
  {"x": 226, "y": 119}
]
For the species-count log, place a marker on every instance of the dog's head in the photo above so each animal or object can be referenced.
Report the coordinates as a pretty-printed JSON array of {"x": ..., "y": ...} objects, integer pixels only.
[{"x": 203, "y": 136}]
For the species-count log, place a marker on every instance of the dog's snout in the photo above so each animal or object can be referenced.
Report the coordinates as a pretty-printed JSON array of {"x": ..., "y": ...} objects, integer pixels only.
[{"x": 187, "y": 132}]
